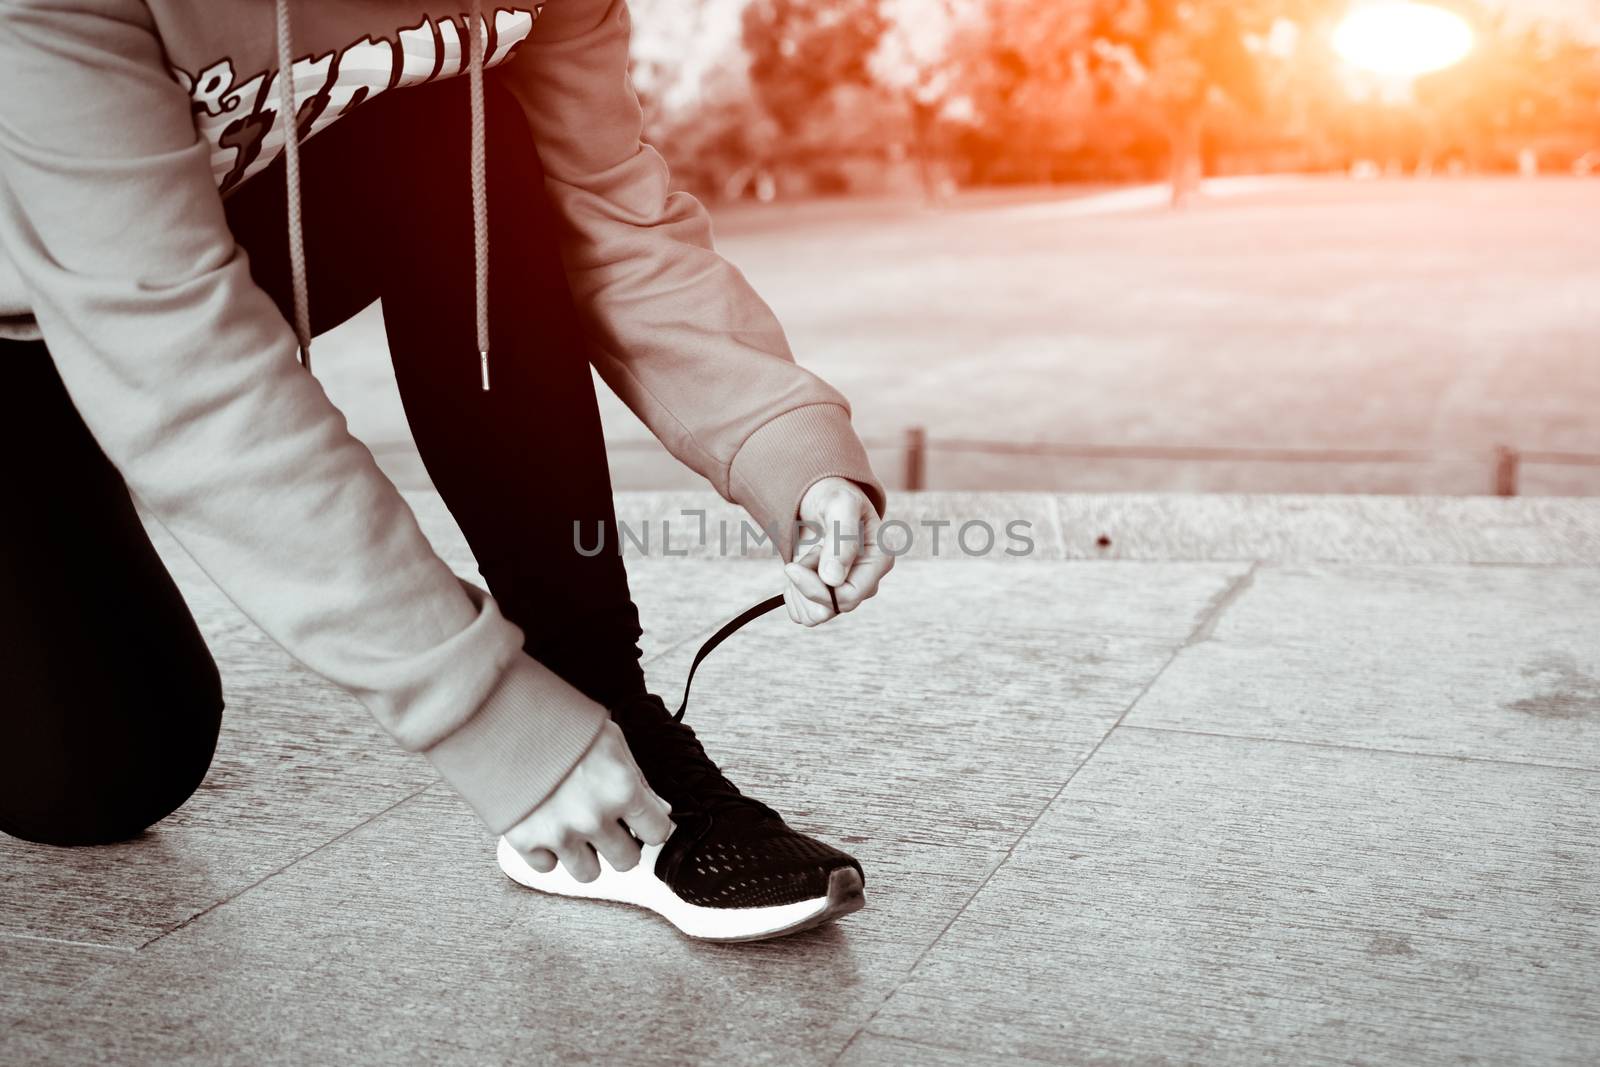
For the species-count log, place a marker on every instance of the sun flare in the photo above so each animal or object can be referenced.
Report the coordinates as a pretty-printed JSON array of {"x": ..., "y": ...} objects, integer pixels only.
[{"x": 1403, "y": 39}]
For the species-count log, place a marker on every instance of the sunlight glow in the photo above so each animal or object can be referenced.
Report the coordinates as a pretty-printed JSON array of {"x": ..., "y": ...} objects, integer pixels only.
[{"x": 1403, "y": 39}]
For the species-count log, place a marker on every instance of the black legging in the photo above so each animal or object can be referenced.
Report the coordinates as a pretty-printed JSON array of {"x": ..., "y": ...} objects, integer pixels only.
[{"x": 112, "y": 702}]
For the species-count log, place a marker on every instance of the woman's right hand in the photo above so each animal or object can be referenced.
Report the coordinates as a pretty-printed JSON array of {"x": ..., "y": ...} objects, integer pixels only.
[{"x": 593, "y": 810}]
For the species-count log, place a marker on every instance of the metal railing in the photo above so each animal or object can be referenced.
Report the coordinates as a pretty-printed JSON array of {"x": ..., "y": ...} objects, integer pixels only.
[{"x": 1503, "y": 462}]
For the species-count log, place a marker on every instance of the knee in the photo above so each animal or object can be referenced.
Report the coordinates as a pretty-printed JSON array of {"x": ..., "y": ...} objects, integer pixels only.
[{"x": 100, "y": 788}]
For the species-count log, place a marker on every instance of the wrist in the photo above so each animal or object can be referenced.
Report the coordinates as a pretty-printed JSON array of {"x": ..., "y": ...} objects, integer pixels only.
[{"x": 778, "y": 463}]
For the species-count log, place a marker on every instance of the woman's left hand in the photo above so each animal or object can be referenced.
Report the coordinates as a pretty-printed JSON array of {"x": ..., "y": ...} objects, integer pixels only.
[{"x": 839, "y": 552}]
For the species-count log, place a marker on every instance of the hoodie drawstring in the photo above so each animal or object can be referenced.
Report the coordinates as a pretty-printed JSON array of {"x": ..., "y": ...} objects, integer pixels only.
[
  {"x": 291, "y": 169},
  {"x": 480, "y": 189},
  {"x": 477, "y": 42}
]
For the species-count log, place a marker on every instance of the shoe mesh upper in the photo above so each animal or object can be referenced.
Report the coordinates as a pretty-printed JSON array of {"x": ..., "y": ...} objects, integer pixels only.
[
  {"x": 741, "y": 853},
  {"x": 756, "y": 866}
]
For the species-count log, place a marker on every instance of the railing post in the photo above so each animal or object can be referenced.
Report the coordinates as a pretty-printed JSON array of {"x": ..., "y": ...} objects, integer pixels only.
[
  {"x": 1506, "y": 462},
  {"x": 916, "y": 458}
]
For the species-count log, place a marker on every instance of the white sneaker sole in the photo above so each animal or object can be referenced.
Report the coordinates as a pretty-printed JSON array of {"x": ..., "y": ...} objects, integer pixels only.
[{"x": 641, "y": 887}]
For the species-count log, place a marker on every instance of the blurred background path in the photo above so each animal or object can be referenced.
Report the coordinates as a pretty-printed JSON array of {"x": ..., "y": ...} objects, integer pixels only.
[{"x": 1447, "y": 315}]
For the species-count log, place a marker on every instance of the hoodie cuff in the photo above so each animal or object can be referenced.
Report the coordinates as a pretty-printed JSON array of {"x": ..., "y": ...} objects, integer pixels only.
[
  {"x": 788, "y": 455},
  {"x": 511, "y": 755}
]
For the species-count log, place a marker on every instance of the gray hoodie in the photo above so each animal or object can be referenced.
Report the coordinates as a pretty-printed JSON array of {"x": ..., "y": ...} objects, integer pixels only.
[{"x": 123, "y": 123}]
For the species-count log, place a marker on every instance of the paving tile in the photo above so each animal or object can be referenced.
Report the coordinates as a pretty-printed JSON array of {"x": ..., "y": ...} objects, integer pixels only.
[
  {"x": 1232, "y": 901},
  {"x": 40, "y": 972},
  {"x": 951, "y": 707},
  {"x": 875, "y": 1049},
  {"x": 683, "y": 596},
  {"x": 1003, "y": 527},
  {"x": 285, "y": 780},
  {"x": 1308, "y": 529},
  {"x": 676, "y": 525},
  {"x": 297, "y": 764},
  {"x": 685, "y": 601},
  {"x": 404, "y": 943},
  {"x": 1493, "y": 662},
  {"x": 1287, "y": 528}
]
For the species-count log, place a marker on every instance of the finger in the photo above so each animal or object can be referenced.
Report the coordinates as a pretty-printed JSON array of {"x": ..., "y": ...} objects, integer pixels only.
[
  {"x": 862, "y": 585},
  {"x": 811, "y": 596},
  {"x": 541, "y": 859},
  {"x": 808, "y": 544},
  {"x": 811, "y": 557},
  {"x": 579, "y": 860},
  {"x": 842, "y": 540},
  {"x": 800, "y": 609},
  {"x": 650, "y": 820},
  {"x": 641, "y": 809},
  {"x": 809, "y": 584},
  {"x": 618, "y": 847},
  {"x": 790, "y": 598}
]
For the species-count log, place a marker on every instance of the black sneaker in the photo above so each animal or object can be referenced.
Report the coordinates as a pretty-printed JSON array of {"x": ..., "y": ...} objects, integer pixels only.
[{"x": 732, "y": 870}]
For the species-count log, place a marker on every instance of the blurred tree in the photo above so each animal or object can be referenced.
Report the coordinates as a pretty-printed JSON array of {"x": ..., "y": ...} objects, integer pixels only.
[
  {"x": 1194, "y": 57},
  {"x": 913, "y": 64},
  {"x": 657, "y": 67},
  {"x": 1050, "y": 90},
  {"x": 700, "y": 110},
  {"x": 801, "y": 52},
  {"x": 716, "y": 144},
  {"x": 1022, "y": 66},
  {"x": 1112, "y": 73},
  {"x": 1522, "y": 84}
]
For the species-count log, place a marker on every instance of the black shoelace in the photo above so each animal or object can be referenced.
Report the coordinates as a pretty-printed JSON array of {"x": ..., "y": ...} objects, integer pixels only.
[
  {"x": 729, "y": 628},
  {"x": 667, "y": 750}
]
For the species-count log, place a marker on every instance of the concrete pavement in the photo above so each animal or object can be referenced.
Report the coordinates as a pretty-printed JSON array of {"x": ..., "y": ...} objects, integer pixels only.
[{"x": 1198, "y": 779}]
